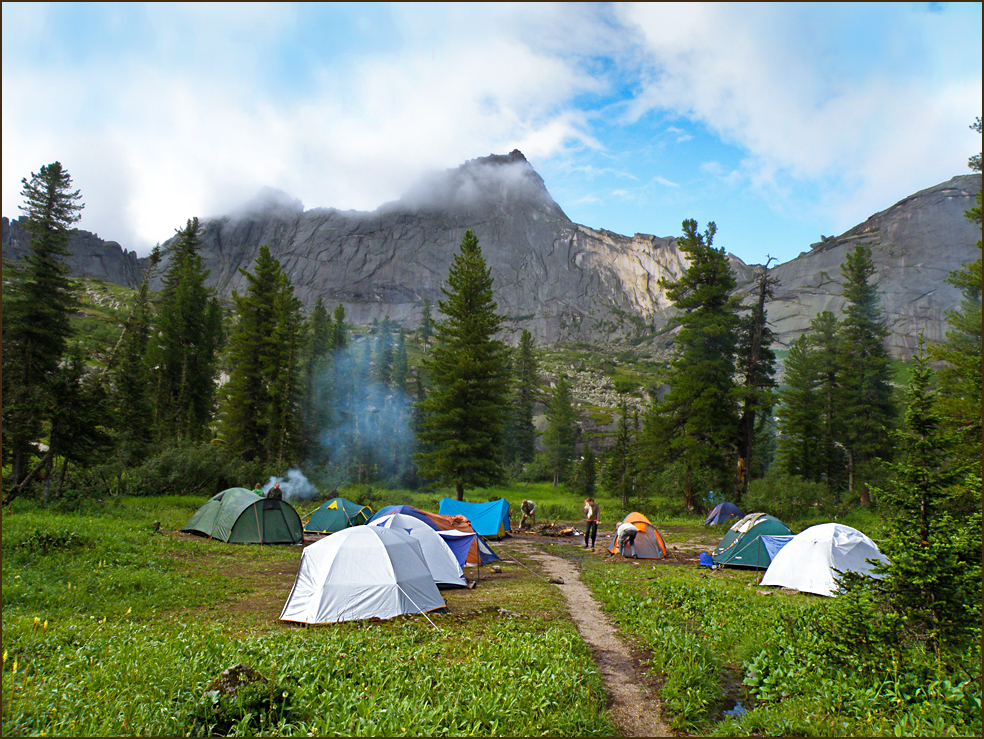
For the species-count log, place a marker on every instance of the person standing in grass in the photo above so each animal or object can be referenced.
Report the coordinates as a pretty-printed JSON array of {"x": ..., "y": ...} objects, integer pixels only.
[
  {"x": 626, "y": 534},
  {"x": 275, "y": 492},
  {"x": 258, "y": 489},
  {"x": 592, "y": 512}
]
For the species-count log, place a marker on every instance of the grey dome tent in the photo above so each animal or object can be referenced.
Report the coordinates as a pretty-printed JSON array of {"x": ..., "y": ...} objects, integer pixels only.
[{"x": 240, "y": 516}]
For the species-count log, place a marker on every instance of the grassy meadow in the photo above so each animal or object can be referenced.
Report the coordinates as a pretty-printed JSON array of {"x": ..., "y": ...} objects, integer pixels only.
[{"x": 115, "y": 623}]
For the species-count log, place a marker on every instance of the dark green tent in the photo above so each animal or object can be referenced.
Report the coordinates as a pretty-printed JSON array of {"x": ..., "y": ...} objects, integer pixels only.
[
  {"x": 337, "y": 514},
  {"x": 742, "y": 547},
  {"x": 240, "y": 516}
]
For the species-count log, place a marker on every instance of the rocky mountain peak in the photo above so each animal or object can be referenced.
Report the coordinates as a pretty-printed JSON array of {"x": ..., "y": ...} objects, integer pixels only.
[{"x": 479, "y": 186}]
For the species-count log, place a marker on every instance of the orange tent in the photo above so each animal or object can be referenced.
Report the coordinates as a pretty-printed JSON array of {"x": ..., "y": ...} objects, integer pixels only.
[{"x": 648, "y": 544}]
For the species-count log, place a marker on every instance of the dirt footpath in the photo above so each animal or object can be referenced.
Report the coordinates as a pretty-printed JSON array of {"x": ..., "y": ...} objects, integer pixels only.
[{"x": 636, "y": 712}]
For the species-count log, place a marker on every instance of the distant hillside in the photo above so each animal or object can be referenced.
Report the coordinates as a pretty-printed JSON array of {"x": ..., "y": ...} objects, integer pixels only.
[{"x": 560, "y": 280}]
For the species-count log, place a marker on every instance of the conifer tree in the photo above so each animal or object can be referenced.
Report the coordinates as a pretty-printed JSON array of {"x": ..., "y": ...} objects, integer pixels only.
[
  {"x": 865, "y": 396},
  {"x": 464, "y": 413},
  {"x": 521, "y": 435},
  {"x": 618, "y": 470},
  {"x": 186, "y": 341},
  {"x": 261, "y": 409},
  {"x": 826, "y": 349},
  {"x": 960, "y": 376},
  {"x": 560, "y": 438},
  {"x": 800, "y": 413},
  {"x": 699, "y": 417},
  {"x": 757, "y": 367},
  {"x": 37, "y": 304}
]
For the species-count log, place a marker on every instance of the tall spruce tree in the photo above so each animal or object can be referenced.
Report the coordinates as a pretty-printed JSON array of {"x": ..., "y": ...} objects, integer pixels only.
[
  {"x": 960, "y": 376},
  {"x": 699, "y": 417},
  {"x": 184, "y": 350},
  {"x": 260, "y": 410},
  {"x": 464, "y": 413},
  {"x": 800, "y": 414},
  {"x": 521, "y": 435},
  {"x": 618, "y": 468},
  {"x": 560, "y": 437},
  {"x": 865, "y": 394},
  {"x": 37, "y": 304},
  {"x": 757, "y": 368}
]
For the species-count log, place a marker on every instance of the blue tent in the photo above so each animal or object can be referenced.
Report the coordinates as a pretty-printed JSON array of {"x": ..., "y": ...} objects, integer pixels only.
[
  {"x": 723, "y": 513},
  {"x": 488, "y": 519}
]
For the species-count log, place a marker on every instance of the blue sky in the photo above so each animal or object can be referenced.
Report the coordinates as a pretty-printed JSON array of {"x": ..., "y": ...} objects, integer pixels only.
[{"x": 780, "y": 122}]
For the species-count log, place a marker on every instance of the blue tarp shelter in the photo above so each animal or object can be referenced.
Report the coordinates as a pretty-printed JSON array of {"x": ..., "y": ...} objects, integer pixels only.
[
  {"x": 488, "y": 519},
  {"x": 723, "y": 513}
]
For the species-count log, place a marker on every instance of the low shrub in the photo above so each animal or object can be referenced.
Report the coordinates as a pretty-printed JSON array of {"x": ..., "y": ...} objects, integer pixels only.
[{"x": 786, "y": 497}]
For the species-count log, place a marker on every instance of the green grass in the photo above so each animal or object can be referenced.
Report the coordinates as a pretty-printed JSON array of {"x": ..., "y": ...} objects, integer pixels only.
[{"x": 113, "y": 627}]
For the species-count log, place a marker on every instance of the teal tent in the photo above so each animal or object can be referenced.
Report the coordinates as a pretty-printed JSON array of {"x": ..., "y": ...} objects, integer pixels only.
[
  {"x": 742, "y": 545},
  {"x": 490, "y": 520},
  {"x": 240, "y": 516},
  {"x": 337, "y": 514}
]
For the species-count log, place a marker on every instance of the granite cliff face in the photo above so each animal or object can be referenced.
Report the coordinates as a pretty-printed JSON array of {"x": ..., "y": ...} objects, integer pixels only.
[
  {"x": 560, "y": 280},
  {"x": 914, "y": 245},
  {"x": 90, "y": 255},
  {"x": 552, "y": 276}
]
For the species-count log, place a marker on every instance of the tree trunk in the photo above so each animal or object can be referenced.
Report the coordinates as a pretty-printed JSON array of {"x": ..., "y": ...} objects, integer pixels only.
[
  {"x": 61, "y": 478},
  {"x": 459, "y": 491}
]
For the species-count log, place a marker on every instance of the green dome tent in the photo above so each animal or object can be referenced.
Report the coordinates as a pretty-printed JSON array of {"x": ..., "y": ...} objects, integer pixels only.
[
  {"x": 337, "y": 514},
  {"x": 240, "y": 516},
  {"x": 742, "y": 545}
]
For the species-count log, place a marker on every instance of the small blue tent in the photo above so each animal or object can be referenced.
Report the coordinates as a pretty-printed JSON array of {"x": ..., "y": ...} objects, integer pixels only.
[
  {"x": 723, "y": 513},
  {"x": 488, "y": 519}
]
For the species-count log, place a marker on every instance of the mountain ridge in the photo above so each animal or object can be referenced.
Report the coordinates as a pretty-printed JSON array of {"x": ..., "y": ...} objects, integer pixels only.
[{"x": 559, "y": 279}]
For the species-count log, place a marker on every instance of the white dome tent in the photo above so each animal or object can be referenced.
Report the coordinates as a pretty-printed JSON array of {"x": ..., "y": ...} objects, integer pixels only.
[
  {"x": 438, "y": 555},
  {"x": 811, "y": 560},
  {"x": 361, "y": 572}
]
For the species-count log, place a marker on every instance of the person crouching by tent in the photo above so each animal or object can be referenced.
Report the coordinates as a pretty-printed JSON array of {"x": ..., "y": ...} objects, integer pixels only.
[
  {"x": 275, "y": 492},
  {"x": 528, "y": 509},
  {"x": 592, "y": 512},
  {"x": 626, "y": 534}
]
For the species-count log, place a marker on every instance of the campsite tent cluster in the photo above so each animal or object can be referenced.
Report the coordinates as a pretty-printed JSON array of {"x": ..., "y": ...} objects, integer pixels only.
[
  {"x": 810, "y": 561},
  {"x": 372, "y": 566}
]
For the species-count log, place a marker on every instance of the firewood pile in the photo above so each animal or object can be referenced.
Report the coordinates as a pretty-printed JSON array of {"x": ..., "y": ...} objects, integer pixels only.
[{"x": 553, "y": 529}]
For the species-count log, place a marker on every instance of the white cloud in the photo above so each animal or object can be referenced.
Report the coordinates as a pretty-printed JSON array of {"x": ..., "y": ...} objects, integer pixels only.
[{"x": 848, "y": 97}]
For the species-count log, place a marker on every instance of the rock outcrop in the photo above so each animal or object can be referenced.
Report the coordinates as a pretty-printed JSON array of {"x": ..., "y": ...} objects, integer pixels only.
[
  {"x": 90, "y": 255},
  {"x": 560, "y": 280},
  {"x": 914, "y": 245}
]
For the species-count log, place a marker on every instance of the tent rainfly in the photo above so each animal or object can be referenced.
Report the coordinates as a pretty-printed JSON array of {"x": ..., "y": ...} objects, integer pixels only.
[
  {"x": 722, "y": 513},
  {"x": 440, "y": 559},
  {"x": 361, "y": 572},
  {"x": 812, "y": 560},
  {"x": 742, "y": 545},
  {"x": 239, "y": 516},
  {"x": 648, "y": 543},
  {"x": 488, "y": 519},
  {"x": 335, "y": 515},
  {"x": 479, "y": 552}
]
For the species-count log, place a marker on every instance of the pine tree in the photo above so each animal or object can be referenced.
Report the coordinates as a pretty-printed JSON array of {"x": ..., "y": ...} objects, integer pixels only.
[
  {"x": 132, "y": 399},
  {"x": 865, "y": 371},
  {"x": 38, "y": 302},
  {"x": 757, "y": 367},
  {"x": 560, "y": 438},
  {"x": 933, "y": 578},
  {"x": 465, "y": 411},
  {"x": 261, "y": 398},
  {"x": 426, "y": 323},
  {"x": 587, "y": 474},
  {"x": 700, "y": 413},
  {"x": 800, "y": 413},
  {"x": 186, "y": 342},
  {"x": 521, "y": 435},
  {"x": 826, "y": 343},
  {"x": 618, "y": 470},
  {"x": 960, "y": 377}
]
